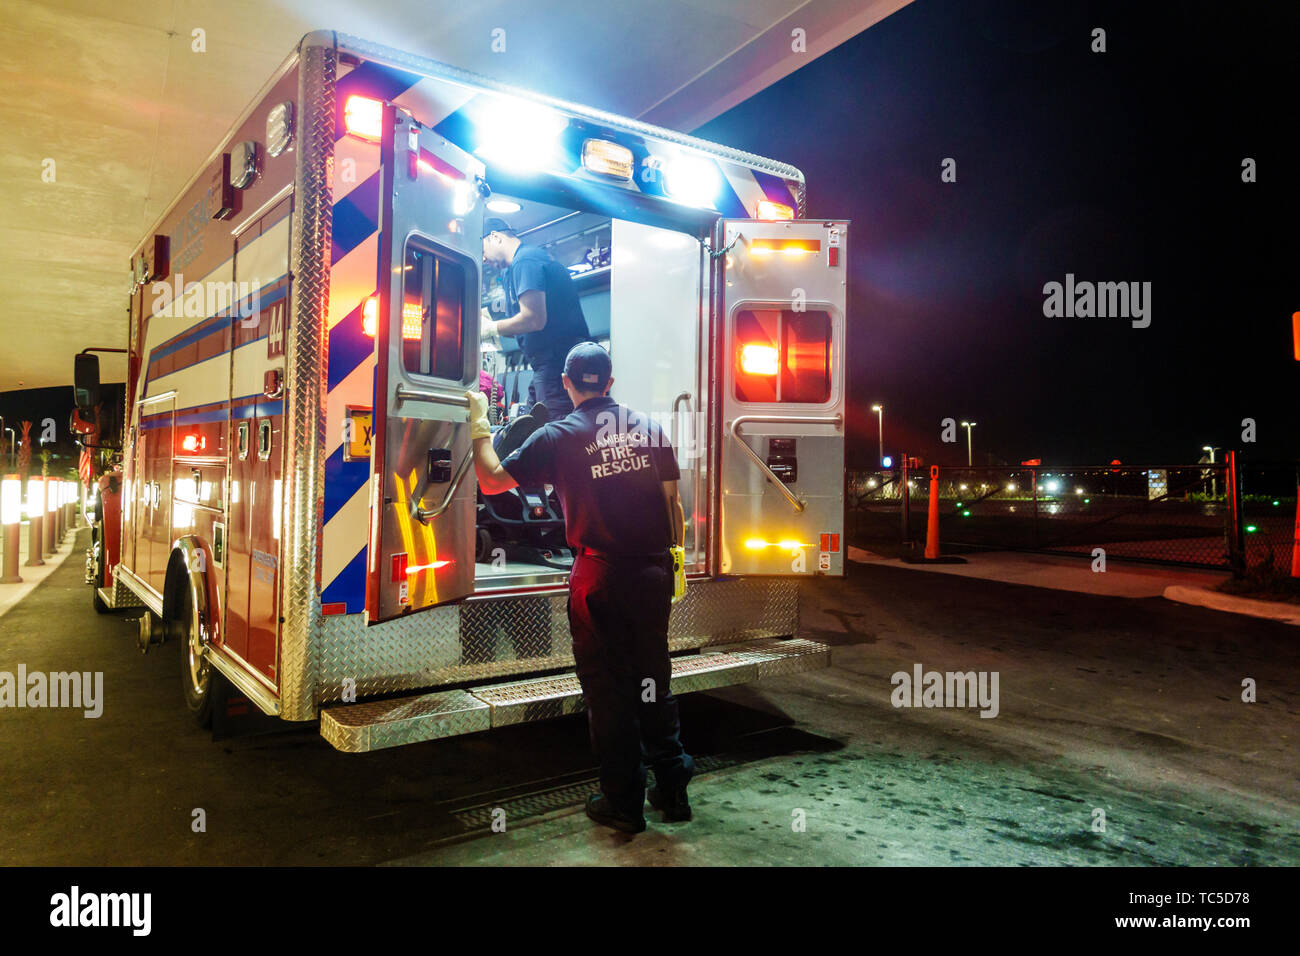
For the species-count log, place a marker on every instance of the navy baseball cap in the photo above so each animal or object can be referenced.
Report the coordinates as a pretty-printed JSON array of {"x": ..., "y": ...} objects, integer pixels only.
[
  {"x": 588, "y": 367},
  {"x": 492, "y": 224}
]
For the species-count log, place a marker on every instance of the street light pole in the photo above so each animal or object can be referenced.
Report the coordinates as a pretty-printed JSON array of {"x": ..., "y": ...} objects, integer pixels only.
[
  {"x": 1214, "y": 479},
  {"x": 968, "y": 426},
  {"x": 880, "y": 420}
]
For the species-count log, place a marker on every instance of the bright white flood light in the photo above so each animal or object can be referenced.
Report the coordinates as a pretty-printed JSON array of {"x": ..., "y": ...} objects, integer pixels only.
[
  {"x": 693, "y": 180},
  {"x": 519, "y": 135}
]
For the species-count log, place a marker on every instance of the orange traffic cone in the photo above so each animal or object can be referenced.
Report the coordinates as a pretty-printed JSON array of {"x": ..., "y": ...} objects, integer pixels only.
[{"x": 932, "y": 525}]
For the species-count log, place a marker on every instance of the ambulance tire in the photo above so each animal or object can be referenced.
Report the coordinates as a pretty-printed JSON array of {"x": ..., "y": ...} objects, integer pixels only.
[
  {"x": 198, "y": 676},
  {"x": 98, "y": 574}
]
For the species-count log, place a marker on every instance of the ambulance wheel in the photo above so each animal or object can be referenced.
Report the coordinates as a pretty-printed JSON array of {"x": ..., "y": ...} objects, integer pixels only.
[
  {"x": 97, "y": 574},
  {"x": 197, "y": 676}
]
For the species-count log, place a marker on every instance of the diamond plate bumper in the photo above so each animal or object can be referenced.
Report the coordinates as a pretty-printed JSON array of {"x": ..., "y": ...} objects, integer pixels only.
[{"x": 356, "y": 728}]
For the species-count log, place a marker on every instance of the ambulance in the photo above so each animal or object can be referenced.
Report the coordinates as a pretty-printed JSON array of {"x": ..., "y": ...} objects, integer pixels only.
[{"x": 294, "y": 499}]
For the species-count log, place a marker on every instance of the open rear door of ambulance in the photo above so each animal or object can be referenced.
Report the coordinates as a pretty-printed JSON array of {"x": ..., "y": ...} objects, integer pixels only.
[
  {"x": 782, "y": 295},
  {"x": 422, "y": 512}
]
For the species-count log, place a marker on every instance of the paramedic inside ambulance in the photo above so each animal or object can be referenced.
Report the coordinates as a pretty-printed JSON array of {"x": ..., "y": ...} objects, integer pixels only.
[
  {"x": 616, "y": 474},
  {"x": 542, "y": 311}
]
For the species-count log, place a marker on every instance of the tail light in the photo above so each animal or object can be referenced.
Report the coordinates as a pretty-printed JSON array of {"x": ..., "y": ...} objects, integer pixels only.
[
  {"x": 758, "y": 359},
  {"x": 412, "y": 321}
]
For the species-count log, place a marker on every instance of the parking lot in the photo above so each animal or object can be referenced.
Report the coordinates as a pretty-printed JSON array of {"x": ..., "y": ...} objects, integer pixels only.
[{"x": 1127, "y": 706}]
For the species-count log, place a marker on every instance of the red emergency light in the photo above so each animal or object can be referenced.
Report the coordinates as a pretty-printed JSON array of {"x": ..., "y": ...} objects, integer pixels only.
[
  {"x": 194, "y": 443},
  {"x": 370, "y": 316},
  {"x": 773, "y": 210},
  {"x": 758, "y": 359},
  {"x": 363, "y": 118}
]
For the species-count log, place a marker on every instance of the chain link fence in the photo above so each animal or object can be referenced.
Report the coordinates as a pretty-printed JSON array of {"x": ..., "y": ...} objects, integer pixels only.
[{"x": 1174, "y": 514}]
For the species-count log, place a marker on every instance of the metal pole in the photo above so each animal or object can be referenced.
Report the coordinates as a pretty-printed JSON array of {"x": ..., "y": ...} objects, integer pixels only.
[
  {"x": 906, "y": 500},
  {"x": 1033, "y": 485},
  {"x": 968, "y": 458},
  {"x": 1235, "y": 530}
]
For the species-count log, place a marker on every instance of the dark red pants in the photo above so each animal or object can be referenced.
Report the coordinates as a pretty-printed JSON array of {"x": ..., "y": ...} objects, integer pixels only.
[{"x": 618, "y": 615}]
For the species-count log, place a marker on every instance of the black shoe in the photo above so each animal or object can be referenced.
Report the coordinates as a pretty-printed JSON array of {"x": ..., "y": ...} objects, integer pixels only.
[
  {"x": 673, "y": 804},
  {"x": 599, "y": 809}
]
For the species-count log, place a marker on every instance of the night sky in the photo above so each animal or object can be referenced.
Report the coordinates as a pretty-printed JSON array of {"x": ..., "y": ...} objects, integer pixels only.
[{"x": 1115, "y": 166}]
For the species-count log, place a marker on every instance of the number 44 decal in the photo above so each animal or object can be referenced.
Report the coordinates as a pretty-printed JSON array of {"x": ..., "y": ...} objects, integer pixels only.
[{"x": 279, "y": 322}]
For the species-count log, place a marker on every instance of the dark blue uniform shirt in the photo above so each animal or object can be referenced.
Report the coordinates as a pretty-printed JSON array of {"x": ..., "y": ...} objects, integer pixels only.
[
  {"x": 534, "y": 270},
  {"x": 607, "y": 463}
]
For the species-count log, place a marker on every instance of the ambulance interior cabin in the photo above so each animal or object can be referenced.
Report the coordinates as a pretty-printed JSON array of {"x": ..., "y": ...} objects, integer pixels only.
[{"x": 640, "y": 287}]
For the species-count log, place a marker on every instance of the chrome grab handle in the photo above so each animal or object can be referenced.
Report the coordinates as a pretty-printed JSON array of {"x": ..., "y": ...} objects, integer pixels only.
[
  {"x": 404, "y": 394},
  {"x": 426, "y": 515},
  {"x": 683, "y": 397},
  {"x": 798, "y": 503}
]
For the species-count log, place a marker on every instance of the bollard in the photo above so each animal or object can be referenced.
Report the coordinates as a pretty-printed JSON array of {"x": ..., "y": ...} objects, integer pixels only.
[
  {"x": 51, "y": 546},
  {"x": 11, "y": 521},
  {"x": 35, "y": 528},
  {"x": 932, "y": 523},
  {"x": 56, "y": 499}
]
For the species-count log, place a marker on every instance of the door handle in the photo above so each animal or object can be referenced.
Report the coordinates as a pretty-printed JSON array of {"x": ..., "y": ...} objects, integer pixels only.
[
  {"x": 798, "y": 503},
  {"x": 683, "y": 397},
  {"x": 404, "y": 394},
  {"x": 425, "y": 515}
]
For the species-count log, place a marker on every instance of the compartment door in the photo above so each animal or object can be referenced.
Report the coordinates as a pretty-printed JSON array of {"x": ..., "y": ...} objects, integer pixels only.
[
  {"x": 780, "y": 430},
  {"x": 422, "y": 499}
]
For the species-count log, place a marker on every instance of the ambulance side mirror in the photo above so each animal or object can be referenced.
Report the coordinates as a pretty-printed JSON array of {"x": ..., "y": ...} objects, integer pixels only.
[{"x": 85, "y": 381}]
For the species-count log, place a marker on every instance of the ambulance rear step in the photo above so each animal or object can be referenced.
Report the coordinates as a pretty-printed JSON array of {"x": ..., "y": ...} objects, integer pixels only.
[{"x": 356, "y": 728}]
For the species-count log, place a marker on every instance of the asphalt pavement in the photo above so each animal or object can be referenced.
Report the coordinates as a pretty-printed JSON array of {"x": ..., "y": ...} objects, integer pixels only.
[{"x": 1121, "y": 737}]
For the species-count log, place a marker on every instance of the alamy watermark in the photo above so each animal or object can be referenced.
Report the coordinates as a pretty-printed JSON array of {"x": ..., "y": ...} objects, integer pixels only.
[
  {"x": 73, "y": 689},
  {"x": 201, "y": 300},
  {"x": 1102, "y": 300},
  {"x": 947, "y": 689},
  {"x": 75, "y": 908}
]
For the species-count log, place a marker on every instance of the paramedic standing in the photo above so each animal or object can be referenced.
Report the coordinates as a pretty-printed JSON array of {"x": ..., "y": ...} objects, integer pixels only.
[
  {"x": 616, "y": 474},
  {"x": 542, "y": 311}
]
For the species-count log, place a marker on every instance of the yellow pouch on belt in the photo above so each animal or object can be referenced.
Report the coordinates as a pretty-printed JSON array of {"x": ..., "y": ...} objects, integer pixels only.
[{"x": 679, "y": 573}]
